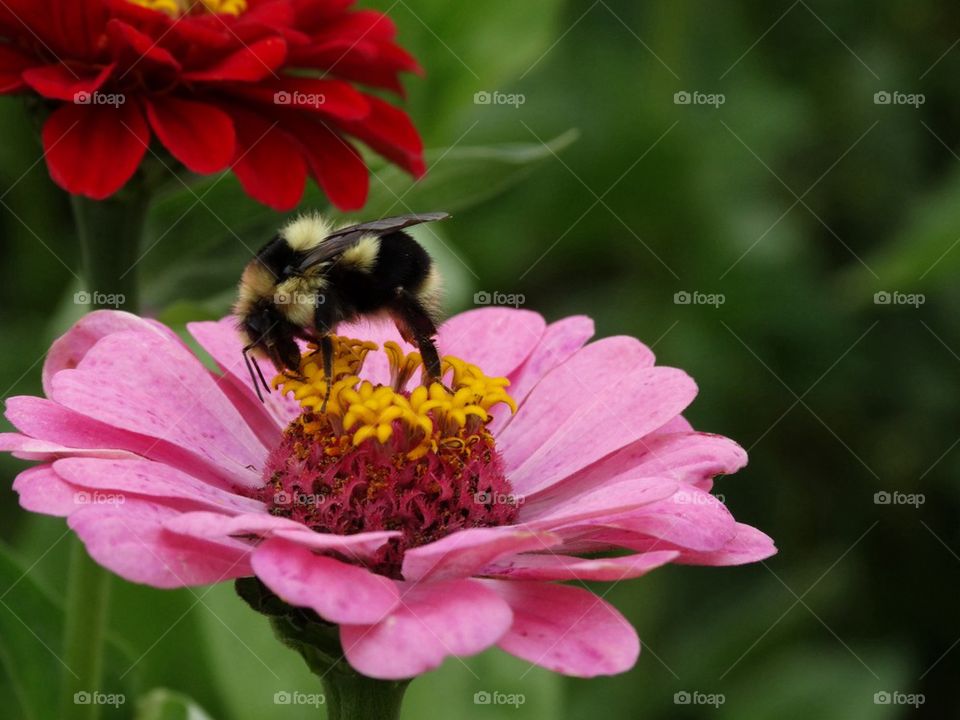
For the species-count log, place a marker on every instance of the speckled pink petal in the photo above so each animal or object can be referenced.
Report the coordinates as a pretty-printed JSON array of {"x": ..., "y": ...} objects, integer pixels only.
[
  {"x": 46, "y": 420},
  {"x": 130, "y": 540},
  {"x": 222, "y": 341},
  {"x": 337, "y": 592},
  {"x": 684, "y": 457},
  {"x": 207, "y": 525},
  {"x": 149, "y": 385},
  {"x": 463, "y": 553},
  {"x": 749, "y": 545},
  {"x": 571, "y": 419},
  {"x": 597, "y": 504},
  {"x": 566, "y": 629},
  {"x": 546, "y": 567},
  {"x": 559, "y": 341},
  {"x": 41, "y": 490},
  {"x": 67, "y": 351},
  {"x": 155, "y": 480},
  {"x": 28, "y": 448},
  {"x": 433, "y": 621},
  {"x": 497, "y": 340}
]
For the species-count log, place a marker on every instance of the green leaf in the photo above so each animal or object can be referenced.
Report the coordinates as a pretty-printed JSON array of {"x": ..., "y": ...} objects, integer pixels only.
[
  {"x": 163, "y": 704},
  {"x": 31, "y": 630}
]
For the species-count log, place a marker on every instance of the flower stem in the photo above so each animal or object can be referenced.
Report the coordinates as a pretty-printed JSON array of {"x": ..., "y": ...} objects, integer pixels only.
[{"x": 110, "y": 237}]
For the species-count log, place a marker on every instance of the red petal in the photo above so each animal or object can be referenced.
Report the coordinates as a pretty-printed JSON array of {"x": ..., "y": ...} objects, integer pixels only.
[
  {"x": 65, "y": 28},
  {"x": 334, "y": 163},
  {"x": 199, "y": 135},
  {"x": 61, "y": 82},
  {"x": 250, "y": 64},
  {"x": 93, "y": 150},
  {"x": 136, "y": 48},
  {"x": 12, "y": 65},
  {"x": 334, "y": 98},
  {"x": 390, "y": 132},
  {"x": 270, "y": 163}
]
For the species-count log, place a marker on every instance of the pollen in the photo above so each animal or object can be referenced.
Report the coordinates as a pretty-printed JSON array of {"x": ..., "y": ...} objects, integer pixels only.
[
  {"x": 393, "y": 454},
  {"x": 177, "y": 8}
]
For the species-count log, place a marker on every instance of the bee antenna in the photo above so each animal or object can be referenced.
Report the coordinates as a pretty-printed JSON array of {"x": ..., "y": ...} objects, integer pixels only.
[{"x": 251, "y": 363}]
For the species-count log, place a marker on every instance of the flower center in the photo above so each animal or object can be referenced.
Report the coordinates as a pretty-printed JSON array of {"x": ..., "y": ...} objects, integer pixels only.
[
  {"x": 176, "y": 8},
  {"x": 382, "y": 457}
]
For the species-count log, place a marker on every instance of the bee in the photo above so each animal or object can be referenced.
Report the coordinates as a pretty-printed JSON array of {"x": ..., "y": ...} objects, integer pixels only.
[{"x": 310, "y": 277}]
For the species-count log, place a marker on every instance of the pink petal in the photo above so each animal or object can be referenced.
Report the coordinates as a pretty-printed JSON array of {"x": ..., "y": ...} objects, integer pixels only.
[
  {"x": 41, "y": 490},
  {"x": 566, "y": 629},
  {"x": 49, "y": 422},
  {"x": 546, "y": 567},
  {"x": 683, "y": 457},
  {"x": 432, "y": 622},
  {"x": 463, "y": 553},
  {"x": 601, "y": 503},
  {"x": 28, "y": 448},
  {"x": 152, "y": 480},
  {"x": 678, "y": 424},
  {"x": 208, "y": 525},
  {"x": 337, "y": 592},
  {"x": 749, "y": 545},
  {"x": 68, "y": 350},
  {"x": 558, "y": 342},
  {"x": 221, "y": 340},
  {"x": 497, "y": 340},
  {"x": 595, "y": 403},
  {"x": 159, "y": 389},
  {"x": 130, "y": 540}
]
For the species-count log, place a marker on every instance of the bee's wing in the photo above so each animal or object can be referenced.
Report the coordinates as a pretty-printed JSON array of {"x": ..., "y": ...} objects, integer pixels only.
[{"x": 336, "y": 243}]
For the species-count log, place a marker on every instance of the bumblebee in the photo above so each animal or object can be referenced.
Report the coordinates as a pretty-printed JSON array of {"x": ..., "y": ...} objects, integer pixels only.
[{"x": 310, "y": 277}]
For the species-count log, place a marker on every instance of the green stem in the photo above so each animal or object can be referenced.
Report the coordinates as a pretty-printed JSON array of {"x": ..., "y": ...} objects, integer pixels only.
[{"x": 110, "y": 237}]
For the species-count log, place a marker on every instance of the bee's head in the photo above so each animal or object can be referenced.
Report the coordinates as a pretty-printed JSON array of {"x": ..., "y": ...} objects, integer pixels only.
[{"x": 270, "y": 335}]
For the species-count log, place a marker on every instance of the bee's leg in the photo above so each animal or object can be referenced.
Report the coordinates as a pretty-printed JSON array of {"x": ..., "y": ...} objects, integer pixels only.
[
  {"x": 417, "y": 328},
  {"x": 326, "y": 349}
]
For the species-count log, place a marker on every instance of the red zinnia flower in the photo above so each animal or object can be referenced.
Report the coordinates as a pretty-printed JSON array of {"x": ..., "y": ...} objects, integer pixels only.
[{"x": 262, "y": 87}]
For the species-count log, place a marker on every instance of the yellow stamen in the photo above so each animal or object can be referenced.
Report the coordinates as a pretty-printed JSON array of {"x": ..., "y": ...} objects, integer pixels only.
[
  {"x": 430, "y": 417},
  {"x": 176, "y": 8}
]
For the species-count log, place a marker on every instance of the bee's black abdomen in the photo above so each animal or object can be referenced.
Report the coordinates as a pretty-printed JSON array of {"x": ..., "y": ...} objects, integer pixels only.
[{"x": 402, "y": 262}]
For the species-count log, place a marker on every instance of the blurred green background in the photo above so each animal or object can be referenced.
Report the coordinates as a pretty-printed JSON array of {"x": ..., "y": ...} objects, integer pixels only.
[{"x": 795, "y": 194}]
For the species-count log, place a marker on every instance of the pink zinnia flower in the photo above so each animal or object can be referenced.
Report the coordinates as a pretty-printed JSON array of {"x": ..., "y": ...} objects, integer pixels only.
[{"x": 425, "y": 525}]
